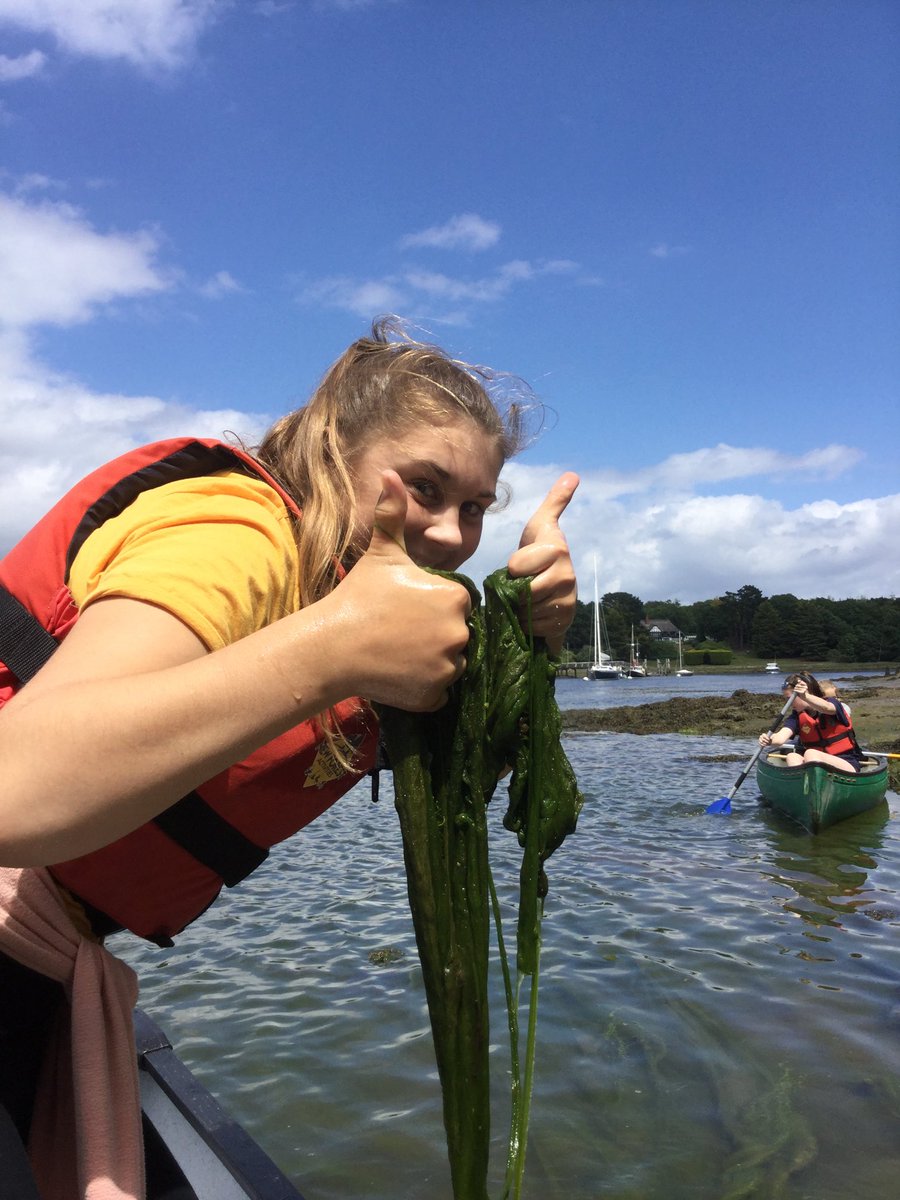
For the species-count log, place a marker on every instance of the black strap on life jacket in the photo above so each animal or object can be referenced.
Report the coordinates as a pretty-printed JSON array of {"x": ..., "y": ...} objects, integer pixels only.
[
  {"x": 209, "y": 838},
  {"x": 381, "y": 763},
  {"x": 25, "y": 646},
  {"x": 188, "y": 462}
]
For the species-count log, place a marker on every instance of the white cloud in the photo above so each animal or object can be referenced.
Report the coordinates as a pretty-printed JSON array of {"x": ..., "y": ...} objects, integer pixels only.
[
  {"x": 55, "y": 268},
  {"x": 22, "y": 67},
  {"x": 363, "y": 297},
  {"x": 219, "y": 285},
  {"x": 664, "y": 250},
  {"x": 55, "y": 430},
  {"x": 148, "y": 33},
  {"x": 657, "y": 531},
  {"x": 717, "y": 464},
  {"x": 416, "y": 289},
  {"x": 270, "y": 8},
  {"x": 468, "y": 231},
  {"x": 659, "y": 545},
  {"x": 35, "y": 181}
]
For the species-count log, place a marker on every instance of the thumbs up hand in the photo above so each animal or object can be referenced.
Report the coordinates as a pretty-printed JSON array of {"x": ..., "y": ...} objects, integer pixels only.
[
  {"x": 404, "y": 630},
  {"x": 544, "y": 554}
]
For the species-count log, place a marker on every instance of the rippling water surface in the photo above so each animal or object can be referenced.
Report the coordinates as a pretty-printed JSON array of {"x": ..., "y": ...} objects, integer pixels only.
[{"x": 719, "y": 1000}]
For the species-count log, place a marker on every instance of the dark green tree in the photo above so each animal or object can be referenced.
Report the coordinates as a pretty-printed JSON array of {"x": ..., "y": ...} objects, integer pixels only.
[
  {"x": 619, "y": 632},
  {"x": 581, "y": 632},
  {"x": 789, "y": 638},
  {"x": 764, "y": 633}
]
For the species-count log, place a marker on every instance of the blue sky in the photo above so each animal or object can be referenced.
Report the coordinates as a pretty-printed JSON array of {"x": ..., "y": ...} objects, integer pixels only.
[{"x": 677, "y": 221}]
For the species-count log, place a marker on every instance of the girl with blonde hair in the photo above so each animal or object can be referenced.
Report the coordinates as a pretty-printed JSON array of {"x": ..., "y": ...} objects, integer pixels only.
[{"x": 191, "y": 642}]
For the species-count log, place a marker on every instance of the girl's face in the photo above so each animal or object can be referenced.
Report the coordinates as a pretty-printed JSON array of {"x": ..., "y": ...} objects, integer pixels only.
[{"x": 450, "y": 472}]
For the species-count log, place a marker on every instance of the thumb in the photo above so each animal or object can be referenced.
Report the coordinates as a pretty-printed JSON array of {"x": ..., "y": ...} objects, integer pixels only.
[
  {"x": 390, "y": 517},
  {"x": 551, "y": 507}
]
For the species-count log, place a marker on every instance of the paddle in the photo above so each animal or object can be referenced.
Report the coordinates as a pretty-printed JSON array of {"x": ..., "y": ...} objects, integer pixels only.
[{"x": 724, "y": 804}]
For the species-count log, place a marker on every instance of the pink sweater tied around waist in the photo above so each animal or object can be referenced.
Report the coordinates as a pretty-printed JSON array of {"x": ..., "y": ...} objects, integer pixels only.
[{"x": 86, "y": 1141}]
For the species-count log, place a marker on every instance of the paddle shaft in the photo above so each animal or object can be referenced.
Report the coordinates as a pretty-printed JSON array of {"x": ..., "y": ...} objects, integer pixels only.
[{"x": 759, "y": 749}]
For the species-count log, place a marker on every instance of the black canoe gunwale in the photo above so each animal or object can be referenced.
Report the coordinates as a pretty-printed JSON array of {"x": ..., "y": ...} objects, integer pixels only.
[{"x": 219, "y": 1148}]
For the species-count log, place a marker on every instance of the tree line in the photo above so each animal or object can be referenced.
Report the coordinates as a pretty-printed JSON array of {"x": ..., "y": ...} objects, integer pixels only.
[{"x": 748, "y": 622}]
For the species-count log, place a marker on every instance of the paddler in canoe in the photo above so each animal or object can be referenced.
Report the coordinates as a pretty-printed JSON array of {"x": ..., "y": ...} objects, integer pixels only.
[
  {"x": 821, "y": 726},
  {"x": 190, "y": 645}
]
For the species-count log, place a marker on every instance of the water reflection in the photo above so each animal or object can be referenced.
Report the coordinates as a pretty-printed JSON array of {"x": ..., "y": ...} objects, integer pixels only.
[
  {"x": 828, "y": 872},
  {"x": 719, "y": 1011}
]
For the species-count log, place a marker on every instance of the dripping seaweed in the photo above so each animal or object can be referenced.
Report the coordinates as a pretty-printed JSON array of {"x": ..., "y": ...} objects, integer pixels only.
[{"x": 446, "y": 765}]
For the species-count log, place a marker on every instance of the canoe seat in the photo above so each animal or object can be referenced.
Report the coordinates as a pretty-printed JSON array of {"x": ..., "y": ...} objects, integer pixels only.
[
  {"x": 869, "y": 764},
  {"x": 777, "y": 759}
]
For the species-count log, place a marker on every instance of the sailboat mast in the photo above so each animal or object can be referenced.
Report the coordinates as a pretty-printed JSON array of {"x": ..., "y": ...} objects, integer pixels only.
[{"x": 597, "y": 644}]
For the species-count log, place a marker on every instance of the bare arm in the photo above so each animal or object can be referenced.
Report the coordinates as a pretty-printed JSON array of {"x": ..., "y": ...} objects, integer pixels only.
[
  {"x": 132, "y": 712},
  {"x": 783, "y": 735}
]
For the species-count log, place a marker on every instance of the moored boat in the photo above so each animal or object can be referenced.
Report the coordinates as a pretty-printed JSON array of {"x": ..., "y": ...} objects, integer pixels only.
[
  {"x": 772, "y": 668},
  {"x": 192, "y": 1147},
  {"x": 635, "y": 669},
  {"x": 816, "y": 795},
  {"x": 602, "y": 667},
  {"x": 682, "y": 669}
]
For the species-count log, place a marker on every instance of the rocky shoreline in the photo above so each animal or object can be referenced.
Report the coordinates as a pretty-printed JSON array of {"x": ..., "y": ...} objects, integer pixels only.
[{"x": 876, "y": 715}]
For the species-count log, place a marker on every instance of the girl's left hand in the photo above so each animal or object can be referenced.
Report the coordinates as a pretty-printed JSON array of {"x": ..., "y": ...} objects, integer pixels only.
[{"x": 544, "y": 554}]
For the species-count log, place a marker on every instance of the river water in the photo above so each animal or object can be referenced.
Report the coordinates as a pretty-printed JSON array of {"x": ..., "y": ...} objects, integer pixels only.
[{"x": 719, "y": 996}]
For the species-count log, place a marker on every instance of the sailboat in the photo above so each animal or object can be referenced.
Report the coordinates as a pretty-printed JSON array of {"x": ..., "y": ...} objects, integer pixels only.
[
  {"x": 636, "y": 668},
  {"x": 601, "y": 667},
  {"x": 682, "y": 669}
]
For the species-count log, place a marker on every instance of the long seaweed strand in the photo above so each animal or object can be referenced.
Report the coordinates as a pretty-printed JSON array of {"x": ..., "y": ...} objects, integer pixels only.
[
  {"x": 437, "y": 760},
  {"x": 446, "y": 766},
  {"x": 536, "y": 798}
]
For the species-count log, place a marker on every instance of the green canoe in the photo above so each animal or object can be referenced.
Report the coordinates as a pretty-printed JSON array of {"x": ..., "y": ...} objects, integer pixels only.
[{"x": 816, "y": 796}]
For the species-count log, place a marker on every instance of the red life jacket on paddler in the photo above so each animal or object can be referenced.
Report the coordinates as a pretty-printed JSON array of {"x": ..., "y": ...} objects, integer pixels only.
[
  {"x": 159, "y": 878},
  {"x": 826, "y": 733}
]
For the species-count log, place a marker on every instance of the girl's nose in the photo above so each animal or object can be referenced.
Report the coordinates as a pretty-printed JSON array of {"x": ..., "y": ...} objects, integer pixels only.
[{"x": 445, "y": 529}]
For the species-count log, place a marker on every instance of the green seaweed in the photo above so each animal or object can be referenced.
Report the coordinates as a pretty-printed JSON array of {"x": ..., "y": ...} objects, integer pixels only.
[
  {"x": 774, "y": 1143},
  {"x": 523, "y": 726},
  {"x": 446, "y": 766}
]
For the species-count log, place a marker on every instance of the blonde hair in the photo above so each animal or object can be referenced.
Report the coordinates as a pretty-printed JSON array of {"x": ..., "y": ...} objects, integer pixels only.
[
  {"x": 384, "y": 384},
  {"x": 381, "y": 385}
]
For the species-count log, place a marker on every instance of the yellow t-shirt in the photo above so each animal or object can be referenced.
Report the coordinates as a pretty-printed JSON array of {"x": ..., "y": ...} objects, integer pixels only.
[{"x": 217, "y": 552}]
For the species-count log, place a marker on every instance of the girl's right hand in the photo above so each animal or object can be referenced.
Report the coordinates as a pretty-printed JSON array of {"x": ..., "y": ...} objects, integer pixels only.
[{"x": 404, "y": 630}]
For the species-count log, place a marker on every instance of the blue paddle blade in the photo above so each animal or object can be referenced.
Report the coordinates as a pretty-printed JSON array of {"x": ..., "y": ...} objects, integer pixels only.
[{"x": 719, "y": 806}]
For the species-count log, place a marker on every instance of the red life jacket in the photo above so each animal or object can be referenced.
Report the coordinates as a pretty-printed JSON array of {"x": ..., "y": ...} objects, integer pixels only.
[
  {"x": 826, "y": 733},
  {"x": 163, "y": 875}
]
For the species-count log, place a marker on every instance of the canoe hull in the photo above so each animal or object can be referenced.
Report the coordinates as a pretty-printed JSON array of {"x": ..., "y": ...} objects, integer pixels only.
[
  {"x": 816, "y": 796},
  {"x": 192, "y": 1147}
]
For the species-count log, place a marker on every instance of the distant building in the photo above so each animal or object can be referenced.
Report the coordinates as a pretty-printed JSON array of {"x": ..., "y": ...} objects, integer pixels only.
[{"x": 660, "y": 629}]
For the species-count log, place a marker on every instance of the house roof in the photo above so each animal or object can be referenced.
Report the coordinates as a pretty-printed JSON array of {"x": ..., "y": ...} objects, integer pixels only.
[{"x": 662, "y": 624}]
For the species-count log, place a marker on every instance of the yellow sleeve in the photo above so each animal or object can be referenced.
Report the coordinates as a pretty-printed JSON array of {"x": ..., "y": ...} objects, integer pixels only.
[{"x": 217, "y": 552}]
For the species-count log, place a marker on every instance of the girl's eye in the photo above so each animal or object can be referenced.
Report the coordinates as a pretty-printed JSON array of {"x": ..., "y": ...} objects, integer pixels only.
[
  {"x": 473, "y": 509},
  {"x": 425, "y": 489}
]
